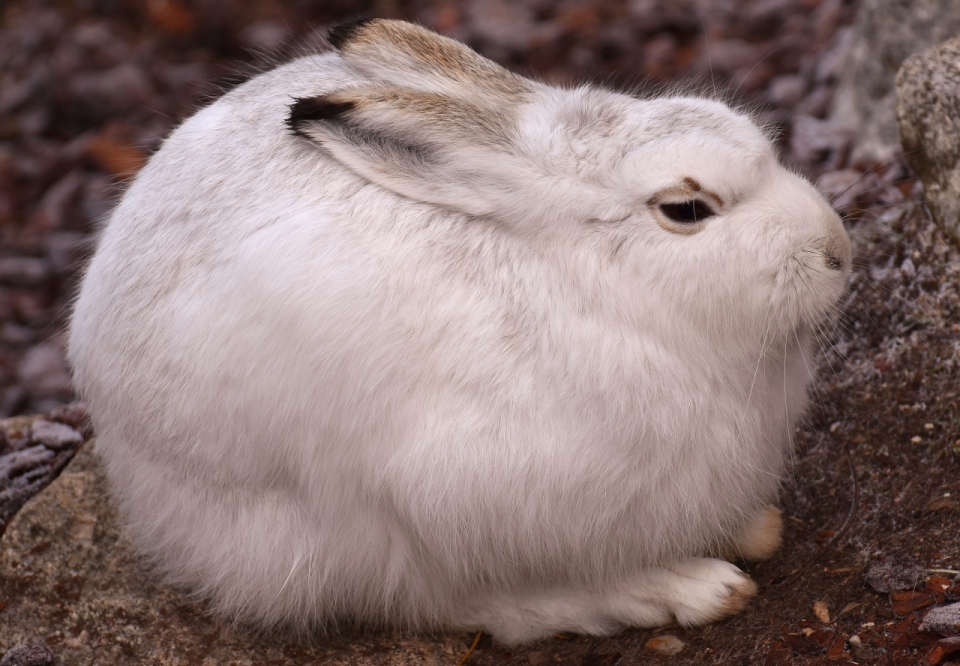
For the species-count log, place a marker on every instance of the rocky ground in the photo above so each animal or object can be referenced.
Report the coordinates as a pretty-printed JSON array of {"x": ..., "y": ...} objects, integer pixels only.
[{"x": 89, "y": 88}]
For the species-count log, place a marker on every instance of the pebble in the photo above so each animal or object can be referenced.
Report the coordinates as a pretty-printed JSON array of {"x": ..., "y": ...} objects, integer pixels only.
[
  {"x": 821, "y": 611},
  {"x": 666, "y": 645},
  {"x": 894, "y": 575},
  {"x": 944, "y": 620},
  {"x": 31, "y": 654},
  {"x": 56, "y": 436}
]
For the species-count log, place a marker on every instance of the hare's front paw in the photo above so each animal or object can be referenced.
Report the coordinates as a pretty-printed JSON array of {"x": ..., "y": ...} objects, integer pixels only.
[
  {"x": 759, "y": 539},
  {"x": 706, "y": 590},
  {"x": 692, "y": 592}
]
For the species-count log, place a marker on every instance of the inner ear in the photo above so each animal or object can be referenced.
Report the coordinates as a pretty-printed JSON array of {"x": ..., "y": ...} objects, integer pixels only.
[
  {"x": 423, "y": 146},
  {"x": 308, "y": 110}
]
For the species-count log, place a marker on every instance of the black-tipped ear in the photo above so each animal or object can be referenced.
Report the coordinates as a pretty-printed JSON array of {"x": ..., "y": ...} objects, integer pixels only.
[
  {"x": 340, "y": 34},
  {"x": 314, "y": 109}
]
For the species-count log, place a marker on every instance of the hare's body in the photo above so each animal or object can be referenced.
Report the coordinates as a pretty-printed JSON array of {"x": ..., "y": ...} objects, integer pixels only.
[{"x": 335, "y": 384}]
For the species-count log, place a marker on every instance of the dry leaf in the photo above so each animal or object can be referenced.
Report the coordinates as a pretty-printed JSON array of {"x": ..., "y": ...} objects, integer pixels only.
[{"x": 115, "y": 158}]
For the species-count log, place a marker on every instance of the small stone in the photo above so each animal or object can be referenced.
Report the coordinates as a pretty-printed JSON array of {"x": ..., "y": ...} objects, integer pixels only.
[
  {"x": 907, "y": 269},
  {"x": 894, "y": 575},
  {"x": 943, "y": 620},
  {"x": 940, "y": 650},
  {"x": 906, "y": 602},
  {"x": 74, "y": 415},
  {"x": 31, "y": 654},
  {"x": 666, "y": 644},
  {"x": 56, "y": 436},
  {"x": 16, "y": 463},
  {"x": 855, "y": 641},
  {"x": 821, "y": 611}
]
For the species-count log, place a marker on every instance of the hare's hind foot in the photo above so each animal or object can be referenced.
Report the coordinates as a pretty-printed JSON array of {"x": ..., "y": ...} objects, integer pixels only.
[
  {"x": 692, "y": 592},
  {"x": 760, "y": 538}
]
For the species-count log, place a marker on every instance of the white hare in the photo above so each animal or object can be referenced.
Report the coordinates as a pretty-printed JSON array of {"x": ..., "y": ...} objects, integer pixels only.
[{"x": 394, "y": 335}]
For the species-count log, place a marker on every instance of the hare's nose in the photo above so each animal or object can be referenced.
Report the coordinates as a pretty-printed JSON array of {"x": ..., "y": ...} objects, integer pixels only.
[
  {"x": 832, "y": 261},
  {"x": 836, "y": 251},
  {"x": 835, "y": 246}
]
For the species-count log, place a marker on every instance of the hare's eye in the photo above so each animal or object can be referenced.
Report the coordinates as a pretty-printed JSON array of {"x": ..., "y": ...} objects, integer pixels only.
[{"x": 687, "y": 212}]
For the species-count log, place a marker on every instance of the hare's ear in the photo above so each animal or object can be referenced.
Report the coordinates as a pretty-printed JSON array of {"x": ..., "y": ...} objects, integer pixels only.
[
  {"x": 433, "y": 120},
  {"x": 424, "y": 146},
  {"x": 407, "y": 55}
]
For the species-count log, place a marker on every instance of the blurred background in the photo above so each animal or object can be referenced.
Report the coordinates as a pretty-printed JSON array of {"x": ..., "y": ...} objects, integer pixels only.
[{"x": 90, "y": 88}]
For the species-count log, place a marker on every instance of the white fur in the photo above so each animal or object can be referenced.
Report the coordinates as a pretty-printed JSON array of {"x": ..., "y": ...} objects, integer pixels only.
[{"x": 505, "y": 397}]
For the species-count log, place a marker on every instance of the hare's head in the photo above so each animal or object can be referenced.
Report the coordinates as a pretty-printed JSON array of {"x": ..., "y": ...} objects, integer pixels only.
[{"x": 683, "y": 194}]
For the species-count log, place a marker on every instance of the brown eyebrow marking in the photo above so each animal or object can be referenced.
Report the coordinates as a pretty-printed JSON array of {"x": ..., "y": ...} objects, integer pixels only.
[{"x": 689, "y": 186}]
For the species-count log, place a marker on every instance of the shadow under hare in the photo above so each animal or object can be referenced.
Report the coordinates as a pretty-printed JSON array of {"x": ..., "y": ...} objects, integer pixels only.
[{"x": 393, "y": 335}]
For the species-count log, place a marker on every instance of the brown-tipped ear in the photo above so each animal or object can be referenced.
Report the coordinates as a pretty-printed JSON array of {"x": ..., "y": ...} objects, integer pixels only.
[
  {"x": 344, "y": 32},
  {"x": 424, "y": 146},
  {"x": 411, "y": 56}
]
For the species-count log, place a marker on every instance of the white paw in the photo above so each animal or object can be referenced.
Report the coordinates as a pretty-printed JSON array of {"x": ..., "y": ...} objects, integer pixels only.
[
  {"x": 692, "y": 592},
  {"x": 706, "y": 590}
]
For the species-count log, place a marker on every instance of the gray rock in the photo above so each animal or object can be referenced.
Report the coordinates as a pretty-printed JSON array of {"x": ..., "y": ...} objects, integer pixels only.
[
  {"x": 944, "y": 620},
  {"x": 894, "y": 575},
  {"x": 15, "y": 464},
  {"x": 56, "y": 436},
  {"x": 27, "y": 467},
  {"x": 31, "y": 654},
  {"x": 886, "y": 33},
  {"x": 928, "y": 112}
]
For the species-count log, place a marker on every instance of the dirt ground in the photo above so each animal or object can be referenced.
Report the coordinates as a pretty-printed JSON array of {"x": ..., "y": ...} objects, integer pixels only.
[{"x": 89, "y": 88}]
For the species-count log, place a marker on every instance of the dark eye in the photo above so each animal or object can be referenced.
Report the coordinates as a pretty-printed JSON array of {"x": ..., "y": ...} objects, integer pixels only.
[{"x": 687, "y": 212}]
